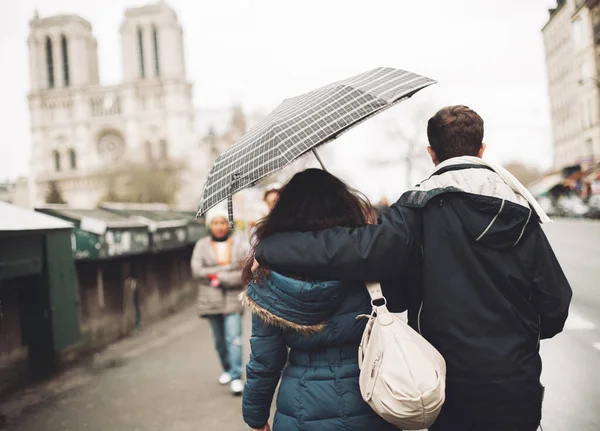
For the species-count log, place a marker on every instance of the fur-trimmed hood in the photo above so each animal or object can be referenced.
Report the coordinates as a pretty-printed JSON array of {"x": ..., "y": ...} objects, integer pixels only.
[{"x": 299, "y": 306}]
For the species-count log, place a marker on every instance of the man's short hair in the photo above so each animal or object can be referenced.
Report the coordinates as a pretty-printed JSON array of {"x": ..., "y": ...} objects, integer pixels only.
[{"x": 455, "y": 131}]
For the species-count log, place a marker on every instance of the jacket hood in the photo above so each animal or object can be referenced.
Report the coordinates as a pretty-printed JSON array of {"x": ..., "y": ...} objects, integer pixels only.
[
  {"x": 492, "y": 222},
  {"x": 301, "y": 306},
  {"x": 491, "y": 212}
]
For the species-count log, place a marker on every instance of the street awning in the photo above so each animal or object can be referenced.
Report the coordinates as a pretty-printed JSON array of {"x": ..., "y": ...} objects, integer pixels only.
[
  {"x": 169, "y": 229},
  {"x": 545, "y": 184},
  {"x": 15, "y": 219},
  {"x": 101, "y": 234}
]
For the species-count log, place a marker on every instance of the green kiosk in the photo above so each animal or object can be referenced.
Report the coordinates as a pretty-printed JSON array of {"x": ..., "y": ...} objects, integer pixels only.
[{"x": 39, "y": 307}]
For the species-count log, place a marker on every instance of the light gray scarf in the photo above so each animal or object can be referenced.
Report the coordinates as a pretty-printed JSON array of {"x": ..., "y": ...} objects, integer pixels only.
[{"x": 505, "y": 176}]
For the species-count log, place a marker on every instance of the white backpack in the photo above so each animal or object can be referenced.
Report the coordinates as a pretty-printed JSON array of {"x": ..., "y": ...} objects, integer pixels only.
[{"x": 402, "y": 376}]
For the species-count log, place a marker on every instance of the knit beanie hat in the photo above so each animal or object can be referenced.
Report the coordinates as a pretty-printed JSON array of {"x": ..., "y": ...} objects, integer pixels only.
[{"x": 215, "y": 213}]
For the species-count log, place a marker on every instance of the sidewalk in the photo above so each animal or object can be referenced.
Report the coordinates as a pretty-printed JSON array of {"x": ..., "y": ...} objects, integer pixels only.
[
  {"x": 162, "y": 379},
  {"x": 147, "y": 360}
]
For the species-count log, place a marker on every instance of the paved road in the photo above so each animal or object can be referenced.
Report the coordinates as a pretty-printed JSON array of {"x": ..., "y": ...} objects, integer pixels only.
[
  {"x": 164, "y": 380},
  {"x": 572, "y": 359}
]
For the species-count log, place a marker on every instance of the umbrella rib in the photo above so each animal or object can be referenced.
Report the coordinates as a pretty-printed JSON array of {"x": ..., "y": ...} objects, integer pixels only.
[
  {"x": 314, "y": 151},
  {"x": 420, "y": 81},
  {"x": 355, "y": 110},
  {"x": 369, "y": 84}
]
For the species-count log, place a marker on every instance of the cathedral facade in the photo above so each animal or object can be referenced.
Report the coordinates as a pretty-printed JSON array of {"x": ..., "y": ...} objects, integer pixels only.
[{"x": 84, "y": 134}]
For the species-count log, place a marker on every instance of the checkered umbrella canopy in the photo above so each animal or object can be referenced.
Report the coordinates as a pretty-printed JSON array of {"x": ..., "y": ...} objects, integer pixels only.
[{"x": 301, "y": 124}]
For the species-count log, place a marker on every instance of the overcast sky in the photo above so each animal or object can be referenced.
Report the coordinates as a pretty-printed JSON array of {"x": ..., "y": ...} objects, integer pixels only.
[{"x": 487, "y": 54}]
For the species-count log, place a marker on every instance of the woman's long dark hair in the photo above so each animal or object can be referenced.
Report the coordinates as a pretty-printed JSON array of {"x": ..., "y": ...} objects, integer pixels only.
[{"x": 312, "y": 200}]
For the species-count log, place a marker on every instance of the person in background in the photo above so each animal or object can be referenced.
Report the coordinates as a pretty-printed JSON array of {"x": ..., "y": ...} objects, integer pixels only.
[
  {"x": 216, "y": 263},
  {"x": 132, "y": 297},
  {"x": 317, "y": 320},
  {"x": 271, "y": 195},
  {"x": 382, "y": 206}
]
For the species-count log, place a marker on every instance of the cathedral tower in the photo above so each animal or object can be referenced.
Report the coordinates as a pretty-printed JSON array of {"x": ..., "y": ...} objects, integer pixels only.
[
  {"x": 63, "y": 53},
  {"x": 152, "y": 44}
]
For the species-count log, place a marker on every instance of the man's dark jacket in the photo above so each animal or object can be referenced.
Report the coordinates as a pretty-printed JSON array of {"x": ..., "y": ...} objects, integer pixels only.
[{"x": 468, "y": 259}]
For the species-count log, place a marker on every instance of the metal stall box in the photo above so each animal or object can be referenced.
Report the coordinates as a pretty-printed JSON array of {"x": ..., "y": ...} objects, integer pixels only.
[{"x": 39, "y": 304}]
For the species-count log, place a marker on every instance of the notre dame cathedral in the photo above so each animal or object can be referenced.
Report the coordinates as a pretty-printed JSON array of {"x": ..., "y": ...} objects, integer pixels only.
[{"x": 85, "y": 135}]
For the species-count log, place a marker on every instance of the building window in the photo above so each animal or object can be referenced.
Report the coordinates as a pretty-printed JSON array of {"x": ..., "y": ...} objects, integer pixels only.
[
  {"x": 65, "y": 59},
  {"x": 111, "y": 146},
  {"x": 578, "y": 33},
  {"x": 49, "y": 63},
  {"x": 156, "y": 60},
  {"x": 56, "y": 157},
  {"x": 106, "y": 105},
  {"x": 164, "y": 149},
  {"x": 141, "y": 52},
  {"x": 73, "y": 159}
]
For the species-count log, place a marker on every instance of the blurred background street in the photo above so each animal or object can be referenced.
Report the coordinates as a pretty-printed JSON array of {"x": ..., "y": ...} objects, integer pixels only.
[{"x": 166, "y": 378}]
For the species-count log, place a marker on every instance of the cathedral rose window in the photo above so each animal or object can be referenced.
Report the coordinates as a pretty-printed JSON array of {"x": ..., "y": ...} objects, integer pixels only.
[{"x": 111, "y": 146}]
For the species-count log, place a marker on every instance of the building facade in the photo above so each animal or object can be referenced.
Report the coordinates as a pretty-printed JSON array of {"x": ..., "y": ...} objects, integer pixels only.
[
  {"x": 571, "y": 41},
  {"x": 84, "y": 134}
]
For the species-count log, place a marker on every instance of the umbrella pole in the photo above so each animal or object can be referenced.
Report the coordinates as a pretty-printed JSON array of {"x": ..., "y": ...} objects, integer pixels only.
[{"x": 319, "y": 159}]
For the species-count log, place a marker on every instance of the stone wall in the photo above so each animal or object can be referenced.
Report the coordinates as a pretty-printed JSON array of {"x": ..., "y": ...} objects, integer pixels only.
[{"x": 107, "y": 300}]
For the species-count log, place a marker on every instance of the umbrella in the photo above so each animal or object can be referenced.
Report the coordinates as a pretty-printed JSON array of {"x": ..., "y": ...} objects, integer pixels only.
[{"x": 301, "y": 124}]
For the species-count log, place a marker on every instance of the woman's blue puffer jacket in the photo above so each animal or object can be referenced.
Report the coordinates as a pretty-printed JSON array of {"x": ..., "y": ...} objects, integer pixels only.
[{"x": 319, "y": 390}]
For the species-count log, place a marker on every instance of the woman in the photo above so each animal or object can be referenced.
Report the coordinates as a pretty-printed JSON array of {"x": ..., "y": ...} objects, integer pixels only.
[
  {"x": 315, "y": 319},
  {"x": 217, "y": 262}
]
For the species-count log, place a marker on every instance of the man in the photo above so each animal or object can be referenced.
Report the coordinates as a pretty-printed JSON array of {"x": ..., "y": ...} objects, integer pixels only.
[{"x": 489, "y": 285}]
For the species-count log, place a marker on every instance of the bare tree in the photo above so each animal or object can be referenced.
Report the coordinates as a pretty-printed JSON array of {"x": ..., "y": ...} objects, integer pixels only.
[
  {"x": 54, "y": 194},
  {"x": 526, "y": 174},
  {"x": 406, "y": 144},
  {"x": 144, "y": 184}
]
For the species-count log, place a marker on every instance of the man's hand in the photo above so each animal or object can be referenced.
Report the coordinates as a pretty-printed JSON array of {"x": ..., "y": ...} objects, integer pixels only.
[
  {"x": 255, "y": 266},
  {"x": 265, "y": 428}
]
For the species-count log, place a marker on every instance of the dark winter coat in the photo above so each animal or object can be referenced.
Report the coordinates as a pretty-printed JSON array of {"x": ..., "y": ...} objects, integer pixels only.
[
  {"x": 319, "y": 389},
  {"x": 489, "y": 285}
]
